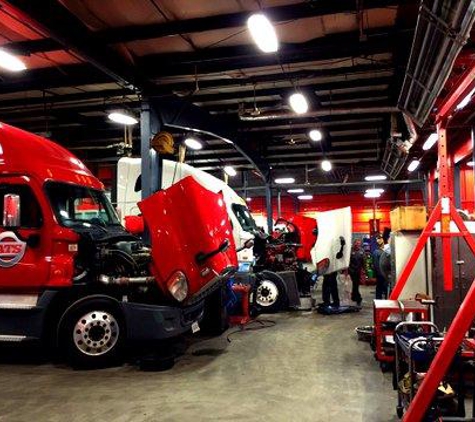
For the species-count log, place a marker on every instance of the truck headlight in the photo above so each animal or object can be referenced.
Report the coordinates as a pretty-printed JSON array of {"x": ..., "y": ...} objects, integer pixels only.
[{"x": 178, "y": 286}]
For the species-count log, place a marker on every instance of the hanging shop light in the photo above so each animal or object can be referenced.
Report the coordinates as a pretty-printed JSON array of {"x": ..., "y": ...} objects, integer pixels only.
[
  {"x": 305, "y": 197},
  {"x": 123, "y": 117},
  {"x": 470, "y": 164},
  {"x": 372, "y": 195},
  {"x": 10, "y": 62},
  {"x": 466, "y": 100},
  {"x": 413, "y": 165},
  {"x": 430, "y": 142},
  {"x": 248, "y": 199},
  {"x": 375, "y": 190},
  {"x": 315, "y": 135},
  {"x": 326, "y": 165},
  {"x": 193, "y": 143},
  {"x": 230, "y": 171},
  {"x": 263, "y": 33},
  {"x": 284, "y": 180},
  {"x": 297, "y": 190},
  {"x": 298, "y": 103},
  {"x": 375, "y": 178}
]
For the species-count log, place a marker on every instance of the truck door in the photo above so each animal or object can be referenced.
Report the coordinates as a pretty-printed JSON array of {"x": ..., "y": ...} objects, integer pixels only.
[{"x": 25, "y": 247}]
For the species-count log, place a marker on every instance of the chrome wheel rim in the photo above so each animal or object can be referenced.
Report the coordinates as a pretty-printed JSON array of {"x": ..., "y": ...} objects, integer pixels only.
[
  {"x": 96, "y": 333},
  {"x": 267, "y": 293}
]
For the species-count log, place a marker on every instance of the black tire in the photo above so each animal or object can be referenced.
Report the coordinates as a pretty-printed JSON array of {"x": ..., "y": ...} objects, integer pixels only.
[
  {"x": 270, "y": 293},
  {"x": 92, "y": 334},
  {"x": 215, "y": 319}
]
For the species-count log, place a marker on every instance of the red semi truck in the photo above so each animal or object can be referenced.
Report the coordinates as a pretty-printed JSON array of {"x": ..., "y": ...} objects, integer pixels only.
[{"x": 72, "y": 276}]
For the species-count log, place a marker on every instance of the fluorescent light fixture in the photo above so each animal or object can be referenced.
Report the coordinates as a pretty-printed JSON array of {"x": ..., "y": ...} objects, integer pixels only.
[
  {"x": 375, "y": 178},
  {"x": 299, "y": 103},
  {"x": 263, "y": 33},
  {"x": 284, "y": 180},
  {"x": 413, "y": 165},
  {"x": 375, "y": 190},
  {"x": 315, "y": 135},
  {"x": 466, "y": 100},
  {"x": 10, "y": 62},
  {"x": 326, "y": 165},
  {"x": 123, "y": 118},
  {"x": 295, "y": 190},
  {"x": 372, "y": 195},
  {"x": 470, "y": 164},
  {"x": 230, "y": 171},
  {"x": 430, "y": 141},
  {"x": 193, "y": 143},
  {"x": 305, "y": 197}
]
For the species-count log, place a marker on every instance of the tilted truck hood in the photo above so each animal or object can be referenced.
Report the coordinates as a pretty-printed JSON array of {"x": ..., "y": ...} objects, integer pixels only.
[
  {"x": 332, "y": 249},
  {"x": 184, "y": 221}
]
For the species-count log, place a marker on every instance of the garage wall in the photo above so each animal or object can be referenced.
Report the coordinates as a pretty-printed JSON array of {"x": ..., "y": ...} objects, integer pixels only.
[{"x": 362, "y": 208}]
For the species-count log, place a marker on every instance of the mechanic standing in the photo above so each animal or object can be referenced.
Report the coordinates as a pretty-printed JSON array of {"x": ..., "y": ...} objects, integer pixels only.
[
  {"x": 381, "y": 282},
  {"x": 354, "y": 270}
]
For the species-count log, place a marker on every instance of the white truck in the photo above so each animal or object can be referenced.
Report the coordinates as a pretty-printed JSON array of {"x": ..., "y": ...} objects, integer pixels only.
[{"x": 129, "y": 193}]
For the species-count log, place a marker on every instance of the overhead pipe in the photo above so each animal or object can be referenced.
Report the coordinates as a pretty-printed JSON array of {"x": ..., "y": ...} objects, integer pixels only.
[
  {"x": 411, "y": 128},
  {"x": 317, "y": 113},
  {"x": 339, "y": 184}
]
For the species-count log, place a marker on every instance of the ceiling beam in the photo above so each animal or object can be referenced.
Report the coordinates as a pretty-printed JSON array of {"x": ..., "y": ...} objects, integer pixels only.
[
  {"x": 335, "y": 46},
  {"x": 202, "y": 24}
]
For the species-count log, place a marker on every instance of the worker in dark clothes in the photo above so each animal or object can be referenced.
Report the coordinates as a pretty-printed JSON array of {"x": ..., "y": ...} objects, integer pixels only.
[
  {"x": 330, "y": 289},
  {"x": 381, "y": 282},
  {"x": 354, "y": 271}
]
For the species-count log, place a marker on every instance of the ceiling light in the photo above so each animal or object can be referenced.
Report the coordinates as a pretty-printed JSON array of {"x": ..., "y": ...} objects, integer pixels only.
[
  {"x": 466, "y": 100},
  {"x": 372, "y": 195},
  {"x": 413, "y": 165},
  {"x": 193, "y": 143},
  {"x": 263, "y": 33},
  {"x": 375, "y": 190},
  {"x": 326, "y": 165},
  {"x": 298, "y": 102},
  {"x": 10, "y": 62},
  {"x": 122, "y": 117},
  {"x": 305, "y": 197},
  {"x": 315, "y": 135},
  {"x": 470, "y": 163},
  {"x": 248, "y": 199},
  {"x": 284, "y": 180},
  {"x": 375, "y": 178},
  {"x": 430, "y": 142},
  {"x": 295, "y": 190},
  {"x": 230, "y": 171}
]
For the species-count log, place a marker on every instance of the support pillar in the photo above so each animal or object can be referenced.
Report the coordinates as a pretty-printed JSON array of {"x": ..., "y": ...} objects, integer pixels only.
[
  {"x": 270, "y": 217},
  {"x": 279, "y": 203}
]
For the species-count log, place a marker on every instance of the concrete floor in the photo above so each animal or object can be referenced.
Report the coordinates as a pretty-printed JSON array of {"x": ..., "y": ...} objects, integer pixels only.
[{"x": 308, "y": 367}]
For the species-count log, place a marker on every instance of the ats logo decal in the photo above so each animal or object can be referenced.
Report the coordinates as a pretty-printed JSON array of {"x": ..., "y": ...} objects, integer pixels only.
[{"x": 12, "y": 249}]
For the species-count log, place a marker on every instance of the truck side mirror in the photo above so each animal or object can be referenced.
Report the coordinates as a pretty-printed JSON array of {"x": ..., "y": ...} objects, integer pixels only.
[{"x": 11, "y": 210}]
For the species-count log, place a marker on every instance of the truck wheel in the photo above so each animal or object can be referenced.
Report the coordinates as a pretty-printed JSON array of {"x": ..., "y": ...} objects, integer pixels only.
[
  {"x": 93, "y": 334},
  {"x": 270, "y": 292}
]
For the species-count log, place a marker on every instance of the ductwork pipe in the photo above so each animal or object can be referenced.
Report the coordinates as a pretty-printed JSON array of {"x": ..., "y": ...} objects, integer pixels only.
[
  {"x": 411, "y": 128},
  {"x": 317, "y": 113}
]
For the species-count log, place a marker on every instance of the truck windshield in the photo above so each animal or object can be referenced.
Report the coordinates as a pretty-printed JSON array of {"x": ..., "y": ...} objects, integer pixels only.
[
  {"x": 244, "y": 217},
  {"x": 74, "y": 204}
]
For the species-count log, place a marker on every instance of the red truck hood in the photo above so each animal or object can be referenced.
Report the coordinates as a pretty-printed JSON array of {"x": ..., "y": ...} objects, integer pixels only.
[{"x": 187, "y": 220}]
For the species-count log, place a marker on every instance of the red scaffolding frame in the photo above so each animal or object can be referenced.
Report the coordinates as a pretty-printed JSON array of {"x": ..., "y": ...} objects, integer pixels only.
[{"x": 444, "y": 213}]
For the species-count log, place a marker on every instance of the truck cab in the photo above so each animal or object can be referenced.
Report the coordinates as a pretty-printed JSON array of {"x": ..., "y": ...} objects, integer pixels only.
[
  {"x": 129, "y": 194},
  {"x": 71, "y": 275}
]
